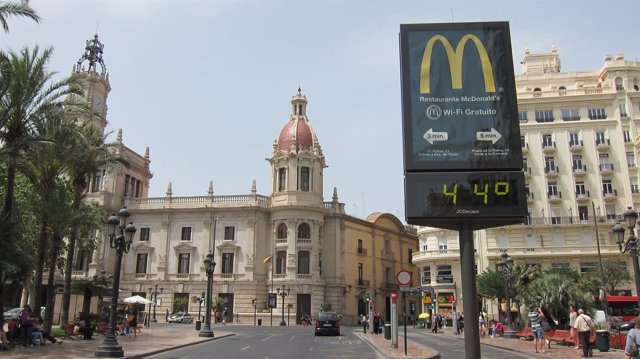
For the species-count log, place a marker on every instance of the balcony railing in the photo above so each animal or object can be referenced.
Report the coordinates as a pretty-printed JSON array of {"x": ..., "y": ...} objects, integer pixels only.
[
  {"x": 606, "y": 167},
  {"x": 362, "y": 251},
  {"x": 362, "y": 283},
  {"x": 538, "y": 221},
  {"x": 547, "y": 248}
]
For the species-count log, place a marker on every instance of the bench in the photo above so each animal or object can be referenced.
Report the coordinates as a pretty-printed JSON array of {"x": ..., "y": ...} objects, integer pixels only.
[
  {"x": 560, "y": 337},
  {"x": 70, "y": 331},
  {"x": 526, "y": 333}
]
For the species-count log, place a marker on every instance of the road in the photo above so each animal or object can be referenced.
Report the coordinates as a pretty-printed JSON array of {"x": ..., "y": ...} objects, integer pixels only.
[{"x": 277, "y": 342}]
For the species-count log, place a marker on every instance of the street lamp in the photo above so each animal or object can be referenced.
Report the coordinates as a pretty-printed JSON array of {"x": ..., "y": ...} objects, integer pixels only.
[
  {"x": 505, "y": 266},
  {"x": 283, "y": 294},
  {"x": 121, "y": 242},
  {"x": 631, "y": 245},
  {"x": 154, "y": 298},
  {"x": 209, "y": 266}
]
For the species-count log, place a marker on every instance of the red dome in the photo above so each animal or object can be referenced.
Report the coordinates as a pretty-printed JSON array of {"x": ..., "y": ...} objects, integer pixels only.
[{"x": 298, "y": 130}]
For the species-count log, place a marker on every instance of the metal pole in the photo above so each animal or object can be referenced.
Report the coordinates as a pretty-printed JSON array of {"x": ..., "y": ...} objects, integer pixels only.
[
  {"x": 404, "y": 313},
  {"x": 469, "y": 305},
  {"x": 155, "y": 300},
  {"x": 110, "y": 347},
  {"x": 602, "y": 282},
  {"x": 283, "y": 294},
  {"x": 633, "y": 251}
]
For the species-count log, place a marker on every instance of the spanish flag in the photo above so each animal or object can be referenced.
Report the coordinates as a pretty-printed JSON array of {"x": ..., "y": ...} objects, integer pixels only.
[{"x": 267, "y": 260}]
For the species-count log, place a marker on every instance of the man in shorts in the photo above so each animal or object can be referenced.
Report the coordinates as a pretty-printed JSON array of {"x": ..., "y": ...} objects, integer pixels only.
[{"x": 536, "y": 327}]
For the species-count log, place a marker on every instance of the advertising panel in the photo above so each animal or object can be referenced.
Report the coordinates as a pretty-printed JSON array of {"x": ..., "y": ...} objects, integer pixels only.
[{"x": 459, "y": 97}]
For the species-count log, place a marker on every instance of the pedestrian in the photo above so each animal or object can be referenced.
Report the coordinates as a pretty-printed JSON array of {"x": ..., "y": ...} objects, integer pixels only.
[
  {"x": 633, "y": 337},
  {"x": 365, "y": 323},
  {"x": 536, "y": 327},
  {"x": 436, "y": 320},
  {"x": 481, "y": 326},
  {"x": 460, "y": 320},
  {"x": 376, "y": 323},
  {"x": 572, "y": 319},
  {"x": 166, "y": 317},
  {"x": 26, "y": 326},
  {"x": 584, "y": 325}
]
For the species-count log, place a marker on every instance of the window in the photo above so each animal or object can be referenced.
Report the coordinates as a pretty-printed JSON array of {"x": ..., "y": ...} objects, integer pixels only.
[
  {"x": 544, "y": 116},
  {"x": 425, "y": 247},
  {"x": 141, "y": 263},
  {"x": 387, "y": 246},
  {"x": 523, "y": 141},
  {"x": 227, "y": 263},
  {"x": 525, "y": 165},
  {"x": 97, "y": 181},
  {"x": 580, "y": 189},
  {"x": 304, "y": 231},
  {"x": 576, "y": 162},
  {"x": 634, "y": 185},
  {"x": 303, "y": 262},
  {"x": 282, "y": 231},
  {"x": 573, "y": 139},
  {"x": 444, "y": 274},
  {"x": 442, "y": 244},
  {"x": 627, "y": 136},
  {"x": 523, "y": 116},
  {"x": 281, "y": 262},
  {"x": 503, "y": 241},
  {"x": 583, "y": 213},
  {"x": 183, "y": 263},
  {"x": 631, "y": 159},
  {"x": 586, "y": 267},
  {"x": 560, "y": 265},
  {"x": 529, "y": 241},
  {"x": 426, "y": 275},
  {"x": 186, "y": 234},
  {"x": 611, "y": 214},
  {"x": 619, "y": 85},
  {"x": 360, "y": 273},
  {"x": 304, "y": 179},
  {"x": 600, "y": 139},
  {"x": 570, "y": 114},
  {"x": 83, "y": 258},
  {"x": 144, "y": 234},
  {"x": 623, "y": 109},
  {"x": 547, "y": 141},
  {"x": 410, "y": 255},
  {"x": 229, "y": 233},
  {"x": 549, "y": 164},
  {"x": 282, "y": 179},
  {"x": 552, "y": 189},
  {"x": 607, "y": 187},
  {"x": 127, "y": 180},
  {"x": 597, "y": 113}
]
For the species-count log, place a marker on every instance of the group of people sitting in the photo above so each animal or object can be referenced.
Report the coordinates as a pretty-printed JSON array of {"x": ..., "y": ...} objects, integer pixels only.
[{"x": 28, "y": 329}]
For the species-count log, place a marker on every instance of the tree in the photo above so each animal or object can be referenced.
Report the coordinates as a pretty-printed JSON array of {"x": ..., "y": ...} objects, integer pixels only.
[
  {"x": 16, "y": 9},
  {"x": 615, "y": 273}
]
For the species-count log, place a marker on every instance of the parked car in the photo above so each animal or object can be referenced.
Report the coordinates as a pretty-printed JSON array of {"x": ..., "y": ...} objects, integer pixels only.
[
  {"x": 13, "y": 313},
  {"x": 181, "y": 317},
  {"x": 327, "y": 323}
]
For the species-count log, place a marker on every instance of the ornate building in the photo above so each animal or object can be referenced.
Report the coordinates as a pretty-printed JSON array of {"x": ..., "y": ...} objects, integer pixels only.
[
  {"x": 290, "y": 238},
  {"x": 580, "y": 142}
]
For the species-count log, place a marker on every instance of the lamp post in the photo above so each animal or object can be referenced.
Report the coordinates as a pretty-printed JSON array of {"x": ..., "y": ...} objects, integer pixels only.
[
  {"x": 121, "y": 242},
  {"x": 154, "y": 299},
  {"x": 283, "y": 294},
  {"x": 209, "y": 266},
  {"x": 505, "y": 266},
  {"x": 631, "y": 244}
]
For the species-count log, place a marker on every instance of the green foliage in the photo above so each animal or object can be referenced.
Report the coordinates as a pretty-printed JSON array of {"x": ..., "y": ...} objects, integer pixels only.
[
  {"x": 20, "y": 8},
  {"x": 217, "y": 304},
  {"x": 180, "y": 304}
]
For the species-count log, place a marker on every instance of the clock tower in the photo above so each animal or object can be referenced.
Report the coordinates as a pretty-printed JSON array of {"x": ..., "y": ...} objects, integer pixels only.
[{"x": 95, "y": 84}]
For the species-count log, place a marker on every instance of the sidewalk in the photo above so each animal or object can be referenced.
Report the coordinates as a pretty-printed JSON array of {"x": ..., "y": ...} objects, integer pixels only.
[
  {"x": 149, "y": 341},
  {"x": 418, "y": 351}
]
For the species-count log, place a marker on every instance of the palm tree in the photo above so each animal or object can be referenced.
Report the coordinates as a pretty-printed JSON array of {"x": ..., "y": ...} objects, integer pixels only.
[{"x": 16, "y": 9}]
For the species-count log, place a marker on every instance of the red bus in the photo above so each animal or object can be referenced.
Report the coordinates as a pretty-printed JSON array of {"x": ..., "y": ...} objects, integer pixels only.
[{"x": 623, "y": 307}]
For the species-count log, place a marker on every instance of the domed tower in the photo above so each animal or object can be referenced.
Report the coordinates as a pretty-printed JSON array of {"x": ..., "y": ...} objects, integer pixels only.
[
  {"x": 95, "y": 85},
  {"x": 297, "y": 161}
]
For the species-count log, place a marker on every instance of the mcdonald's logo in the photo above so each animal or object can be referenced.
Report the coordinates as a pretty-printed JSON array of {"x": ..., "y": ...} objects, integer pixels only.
[{"x": 455, "y": 58}]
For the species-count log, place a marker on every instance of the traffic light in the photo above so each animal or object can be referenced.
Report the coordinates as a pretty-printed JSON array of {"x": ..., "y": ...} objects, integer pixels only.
[
  {"x": 321, "y": 307},
  {"x": 413, "y": 308}
]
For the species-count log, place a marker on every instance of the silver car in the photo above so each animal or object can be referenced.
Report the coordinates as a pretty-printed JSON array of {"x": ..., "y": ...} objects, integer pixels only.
[
  {"x": 181, "y": 317},
  {"x": 13, "y": 313}
]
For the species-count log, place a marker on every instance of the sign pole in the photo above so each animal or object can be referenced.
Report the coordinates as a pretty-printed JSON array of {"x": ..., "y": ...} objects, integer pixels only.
[
  {"x": 394, "y": 320},
  {"x": 404, "y": 311},
  {"x": 469, "y": 305}
]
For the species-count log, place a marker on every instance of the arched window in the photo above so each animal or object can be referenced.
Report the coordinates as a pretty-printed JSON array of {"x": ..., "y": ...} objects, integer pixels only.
[
  {"x": 619, "y": 85},
  {"x": 282, "y": 231},
  {"x": 304, "y": 231}
]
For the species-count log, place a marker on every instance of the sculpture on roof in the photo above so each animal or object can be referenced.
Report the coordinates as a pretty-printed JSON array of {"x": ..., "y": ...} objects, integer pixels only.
[{"x": 93, "y": 53}]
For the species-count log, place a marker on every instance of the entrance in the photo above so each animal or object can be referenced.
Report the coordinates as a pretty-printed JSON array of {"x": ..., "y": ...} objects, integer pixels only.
[
  {"x": 303, "y": 306},
  {"x": 227, "y": 298}
]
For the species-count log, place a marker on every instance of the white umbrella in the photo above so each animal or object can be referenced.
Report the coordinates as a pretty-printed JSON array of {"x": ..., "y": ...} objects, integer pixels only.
[{"x": 137, "y": 300}]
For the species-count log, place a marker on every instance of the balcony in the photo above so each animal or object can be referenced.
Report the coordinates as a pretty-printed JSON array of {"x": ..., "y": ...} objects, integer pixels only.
[
  {"x": 547, "y": 249},
  {"x": 603, "y": 144},
  {"x": 610, "y": 195},
  {"x": 304, "y": 242},
  {"x": 552, "y": 171},
  {"x": 430, "y": 255},
  {"x": 362, "y": 251},
  {"x": 363, "y": 283},
  {"x": 527, "y": 171},
  {"x": 606, "y": 168},
  {"x": 583, "y": 196},
  {"x": 635, "y": 190},
  {"x": 576, "y": 146},
  {"x": 525, "y": 149},
  {"x": 554, "y": 197},
  {"x": 579, "y": 171},
  {"x": 548, "y": 147},
  {"x": 530, "y": 197}
]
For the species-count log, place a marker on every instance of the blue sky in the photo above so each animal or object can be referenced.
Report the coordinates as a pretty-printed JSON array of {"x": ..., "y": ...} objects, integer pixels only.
[{"x": 206, "y": 85}]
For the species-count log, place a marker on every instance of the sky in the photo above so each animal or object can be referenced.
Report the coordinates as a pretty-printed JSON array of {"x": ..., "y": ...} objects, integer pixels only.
[{"x": 207, "y": 85}]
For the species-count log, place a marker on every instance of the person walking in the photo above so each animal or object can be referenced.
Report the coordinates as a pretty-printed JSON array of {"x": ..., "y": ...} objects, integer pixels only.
[
  {"x": 536, "y": 327},
  {"x": 572, "y": 319},
  {"x": 376, "y": 323},
  {"x": 584, "y": 326},
  {"x": 166, "y": 317},
  {"x": 27, "y": 319},
  {"x": 633, "y": 337},
  {"x": 365, "y": 323}
]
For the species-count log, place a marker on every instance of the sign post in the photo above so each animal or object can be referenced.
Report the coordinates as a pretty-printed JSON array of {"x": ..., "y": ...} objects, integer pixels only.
[
  {"x": 462, "y": 152},
  {"x": 403, "y": 279},
  {"x": 394, "y": 320}
]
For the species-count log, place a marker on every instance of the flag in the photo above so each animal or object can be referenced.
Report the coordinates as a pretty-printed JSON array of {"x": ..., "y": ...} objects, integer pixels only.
[{"x": 267, "y": 260}]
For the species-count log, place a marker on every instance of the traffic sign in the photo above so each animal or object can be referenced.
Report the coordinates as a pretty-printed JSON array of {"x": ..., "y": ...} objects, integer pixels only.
[{"x": 403, "y": 277}]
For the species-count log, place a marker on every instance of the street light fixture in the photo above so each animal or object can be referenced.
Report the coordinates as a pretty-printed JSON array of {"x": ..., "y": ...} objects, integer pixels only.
[
  {"x": 154, "y": 298},
  {"x": 209, "y": 266},
  {"x": 121, "y": 242},
  {"x": 631, "y": 244},
  {"x": 283, "y": 294},
  {"x": 505, "y": 266}
]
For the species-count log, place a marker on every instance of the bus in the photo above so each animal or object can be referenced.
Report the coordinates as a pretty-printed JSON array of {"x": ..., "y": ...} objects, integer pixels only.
[{"x": 622, "y": 307}]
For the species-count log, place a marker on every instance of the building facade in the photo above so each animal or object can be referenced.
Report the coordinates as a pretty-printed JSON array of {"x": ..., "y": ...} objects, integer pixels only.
[
  {"x": 288, "y": 240},
  {"x": 580, "y": 142}
]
